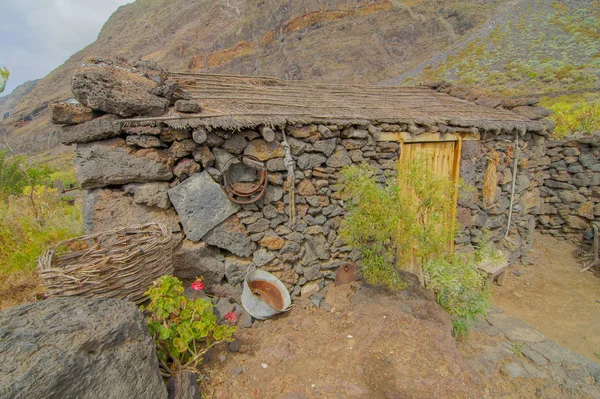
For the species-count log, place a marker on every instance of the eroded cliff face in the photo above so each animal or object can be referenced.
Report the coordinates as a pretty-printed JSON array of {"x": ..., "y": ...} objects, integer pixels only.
[{"x": 339, "y": 41}]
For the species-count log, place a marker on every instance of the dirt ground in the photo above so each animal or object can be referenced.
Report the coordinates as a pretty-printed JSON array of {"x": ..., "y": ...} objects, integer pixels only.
[
  {"x": 370, "y": 344},
  {"x": 554, "y": 297}
]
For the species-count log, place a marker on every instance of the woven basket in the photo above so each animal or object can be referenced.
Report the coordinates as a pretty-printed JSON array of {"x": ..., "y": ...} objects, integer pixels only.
[{"x": 120, "y": 263}]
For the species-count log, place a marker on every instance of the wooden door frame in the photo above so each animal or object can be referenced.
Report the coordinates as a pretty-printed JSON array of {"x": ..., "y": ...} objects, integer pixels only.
[{"x": 403, "y": 138}]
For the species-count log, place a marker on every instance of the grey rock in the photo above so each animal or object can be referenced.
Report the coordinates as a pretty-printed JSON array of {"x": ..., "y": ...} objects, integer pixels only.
[
  {"x": 326, "y": 132},
  {"x": 588, "y": 159},
  {"x": 144, "y": 141},
  {"x": 204, "y": 156},
  {"x": 187, "y": 106},
  {"x": 151, "y": 194},
  {"x": 212, "y": 140},
  {"x": 183, "y": 148},
  {"x": 580, "y": 180},
  {"x": 171, "y": 91},
  {"x": 311, "y": 272},
  {"x": 184, "y": 385},
  {"x": 194, "y": 259},
  {"x": 201, "y": 205},
  {"x": 325, "y": 146},
  {"x": 273, "y": 194},
  {"x": 94, "y": 130},
  {"x": 276, "y": 165},
  {"x": 339, "y": 158},
  {"x": 234, "y": 346},
  {"x": 514, "y": 370},
  {"x": 351, "y": 133},
  {"x": 199, "y": 136},
  {"x": 221, "y": 158},
  {"x": 259, "y": 226},
  {"x": 316, "y": 248},
  {"x": 569, "y": 197},
  {"x": 290, "y": 247},
  {"x": 235, "y": 145},
  {"x": 535, "y": 357},
  {"x": 262, "y": 257},
  {"x": 236, "y": 269},
  {"x": 232, "y": 236},
  {"x": 116, "y": 91},
  {"x": 514, "y": 329},
  {"x": 77, "y": 348},
  {"x": 298, "y": 147},
  {"x": 108, "y": 162},
  {"x": 311, "y": 161},
  {"x": 186, "y": 168},
  {"x": 560, "y": 185}
]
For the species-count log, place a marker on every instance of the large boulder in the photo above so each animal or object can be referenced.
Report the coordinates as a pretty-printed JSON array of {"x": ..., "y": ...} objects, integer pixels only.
[
  {"x": 117, "y": 91},
  {"x": 107, "y": 209},
  {"x": 94, "y": 130},
  {"x": 107, "y": 162},
  {"x": 77, "y": 348}
]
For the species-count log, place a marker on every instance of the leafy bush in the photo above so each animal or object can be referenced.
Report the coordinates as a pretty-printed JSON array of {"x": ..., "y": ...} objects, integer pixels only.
[
  {"x": 183, "y": 329},
  {"x": 15, "y": 175},
  {"x": 460, "y": 289},
  {"x": 400, "y": 221}
]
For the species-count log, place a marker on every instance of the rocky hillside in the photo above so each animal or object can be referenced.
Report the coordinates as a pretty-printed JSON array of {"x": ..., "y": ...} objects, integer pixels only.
[
  {"x": 504, "y": 46},
  {"x": 351, "y": 41}
]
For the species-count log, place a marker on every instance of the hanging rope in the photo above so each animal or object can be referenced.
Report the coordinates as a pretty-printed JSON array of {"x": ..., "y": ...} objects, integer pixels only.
[{"x": 288, "y": 162}]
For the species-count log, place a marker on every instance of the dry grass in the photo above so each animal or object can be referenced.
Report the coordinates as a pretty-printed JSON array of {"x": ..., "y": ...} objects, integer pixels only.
[{"x": 20, "y": 287}]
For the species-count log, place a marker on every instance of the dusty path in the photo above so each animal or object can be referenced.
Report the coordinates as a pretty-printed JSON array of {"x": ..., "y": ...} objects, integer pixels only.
[
  {"x": 555, "y": 298},
  {"x": 504, "y": 11}
]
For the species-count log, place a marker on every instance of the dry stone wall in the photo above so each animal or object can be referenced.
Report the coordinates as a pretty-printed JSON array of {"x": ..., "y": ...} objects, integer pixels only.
[
  {"x": 482, "y": 219},
  {"x": 571, "y": 189},
  {"x": 139, "y": 174}
]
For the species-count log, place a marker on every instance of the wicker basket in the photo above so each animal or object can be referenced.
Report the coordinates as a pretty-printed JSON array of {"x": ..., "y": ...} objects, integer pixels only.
[{"x": 121, "y": 263}]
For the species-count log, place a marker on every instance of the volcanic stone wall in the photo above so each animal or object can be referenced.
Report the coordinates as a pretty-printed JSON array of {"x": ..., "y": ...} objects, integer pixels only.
[
  {"x": 486, "y": 219},
  {"x": 155, "y": 173},
  {"x": 571, "y": 189}
]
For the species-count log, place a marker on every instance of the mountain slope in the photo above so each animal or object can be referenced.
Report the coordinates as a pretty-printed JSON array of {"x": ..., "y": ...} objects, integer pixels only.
[{"x": 351, "y": 41}]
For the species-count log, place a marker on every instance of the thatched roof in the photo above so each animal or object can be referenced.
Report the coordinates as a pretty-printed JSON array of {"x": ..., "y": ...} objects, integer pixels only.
[{"x": 239, "y": 102}]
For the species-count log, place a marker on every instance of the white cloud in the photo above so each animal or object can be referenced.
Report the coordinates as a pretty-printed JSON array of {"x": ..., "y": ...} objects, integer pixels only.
[{"x": 37, "y": 36}]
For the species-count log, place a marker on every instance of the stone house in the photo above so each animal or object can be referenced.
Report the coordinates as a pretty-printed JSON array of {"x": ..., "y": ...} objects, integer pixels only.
[{"x": 156, "y": 146}]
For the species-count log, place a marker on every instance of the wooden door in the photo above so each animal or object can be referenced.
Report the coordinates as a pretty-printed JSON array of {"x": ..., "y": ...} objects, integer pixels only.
[{"x": 443, "y": 159}]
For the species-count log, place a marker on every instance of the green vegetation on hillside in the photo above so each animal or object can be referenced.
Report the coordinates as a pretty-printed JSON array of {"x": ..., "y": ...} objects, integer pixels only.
[
  {"x": 575, "y": 114},
  {"x": 543, "y": 48},
  {"x": 32, "y": 217}
]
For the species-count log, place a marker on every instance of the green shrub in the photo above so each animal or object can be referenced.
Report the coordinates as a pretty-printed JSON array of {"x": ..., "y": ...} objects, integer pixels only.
[
  {"x": 183, "y": 329},
  {"x": 460, "y": 289},
  {"x": 403, "y": 220},
  {"x": 15, "y": 174}
]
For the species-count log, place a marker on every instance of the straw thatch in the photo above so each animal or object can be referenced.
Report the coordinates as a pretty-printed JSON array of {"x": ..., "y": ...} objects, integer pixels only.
[
  {"x": 238, "y": 102},
  {"x": 121, "y": 263}
]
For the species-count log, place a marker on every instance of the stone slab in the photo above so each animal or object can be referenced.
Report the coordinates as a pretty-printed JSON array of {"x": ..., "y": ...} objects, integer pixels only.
[{"x": 201, "y": 205}]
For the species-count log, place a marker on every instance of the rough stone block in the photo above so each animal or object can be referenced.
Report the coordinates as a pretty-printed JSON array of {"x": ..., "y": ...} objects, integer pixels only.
[
  {"x": 112, "y": 161},
  {"x": 71, "y": 113},
  {"x": 117, "y": 91},
  {"x": 201, "y": 204},
  {"x": 94, "y": 130}
]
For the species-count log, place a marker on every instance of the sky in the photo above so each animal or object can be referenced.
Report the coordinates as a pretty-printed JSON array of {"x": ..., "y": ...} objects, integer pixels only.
[{"x": 36, "y": 36}]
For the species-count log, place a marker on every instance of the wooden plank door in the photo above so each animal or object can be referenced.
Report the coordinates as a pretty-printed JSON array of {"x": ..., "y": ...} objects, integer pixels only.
[{"x": 443, "y": 159}]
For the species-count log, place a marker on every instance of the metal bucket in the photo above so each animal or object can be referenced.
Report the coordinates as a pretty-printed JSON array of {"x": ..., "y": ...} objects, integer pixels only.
[{"x": 263, "y": 295}]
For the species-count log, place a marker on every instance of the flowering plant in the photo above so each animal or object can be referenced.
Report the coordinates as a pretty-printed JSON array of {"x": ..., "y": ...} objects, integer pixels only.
[{"x": 183, "y": 329}]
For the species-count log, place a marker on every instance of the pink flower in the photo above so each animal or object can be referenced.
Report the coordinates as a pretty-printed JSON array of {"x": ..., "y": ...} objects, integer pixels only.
[
  {"x": 198, "y": 285},
  {"x": 230, "y": 316}
]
